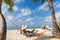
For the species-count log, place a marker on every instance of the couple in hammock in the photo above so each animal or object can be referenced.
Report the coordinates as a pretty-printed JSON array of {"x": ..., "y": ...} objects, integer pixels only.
[{"x": 33, "y": 32}]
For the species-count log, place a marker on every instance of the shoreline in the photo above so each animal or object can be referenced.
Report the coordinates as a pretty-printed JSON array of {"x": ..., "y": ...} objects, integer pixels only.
[{"x": 26, "y": 28}]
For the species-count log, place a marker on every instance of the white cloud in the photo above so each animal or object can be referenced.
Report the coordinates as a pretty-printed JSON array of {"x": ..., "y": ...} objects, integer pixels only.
[
  {"x": 19, "y": 21},
  {"x": 44, "y": 7},
  {"x": 18, "y": 16},
  {"x": 18, "y": 1},
  {"x": 3, "y": 11},
  {"x": 10, "y": 17},
  {"x": 30, "y": 23},
  {"x": 15, "y": 8},
  {"x": 29, "y": 19},
  {"x": 58, "y": 14},
  {"x": 49, "y": 18},
  {"x": 4, "y": 8},
  {"x": 57, "y": 5},
  {"x": 25, "y": 12},
  {"x": 40, "y": 18}
]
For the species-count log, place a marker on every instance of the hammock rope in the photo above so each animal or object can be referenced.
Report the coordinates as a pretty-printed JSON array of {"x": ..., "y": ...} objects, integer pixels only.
[{"x": 12, "y": 22}]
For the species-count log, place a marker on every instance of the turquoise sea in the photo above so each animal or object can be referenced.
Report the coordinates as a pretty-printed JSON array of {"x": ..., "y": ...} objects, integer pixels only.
[{"x": 14, "y": 28}]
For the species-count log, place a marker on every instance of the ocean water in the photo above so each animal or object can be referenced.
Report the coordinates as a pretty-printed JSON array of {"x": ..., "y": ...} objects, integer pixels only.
[{"x": 14, "y": 28}]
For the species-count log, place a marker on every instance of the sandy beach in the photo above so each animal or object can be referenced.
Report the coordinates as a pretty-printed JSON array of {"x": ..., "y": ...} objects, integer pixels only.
[{"x": 15, "y": 35}]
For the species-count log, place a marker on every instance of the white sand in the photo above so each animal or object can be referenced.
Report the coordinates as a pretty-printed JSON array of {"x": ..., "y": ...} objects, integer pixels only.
[{"x": 14, "y": 35}]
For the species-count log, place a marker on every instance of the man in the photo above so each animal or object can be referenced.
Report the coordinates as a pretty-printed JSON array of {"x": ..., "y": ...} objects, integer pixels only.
[{"x": 23, "y": 28}]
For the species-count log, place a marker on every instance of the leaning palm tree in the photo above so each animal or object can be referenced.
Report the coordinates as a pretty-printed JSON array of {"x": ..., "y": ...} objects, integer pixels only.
[
  {"x": 3, "y": 31},
  {"x": 55, "y": 28}
]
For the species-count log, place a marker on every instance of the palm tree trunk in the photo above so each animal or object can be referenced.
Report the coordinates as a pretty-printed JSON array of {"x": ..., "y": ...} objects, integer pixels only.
[
  {"x": 3, "y": 31},
  {"x": 0, "y": 5},
  {"x": 55, "y": 28}
]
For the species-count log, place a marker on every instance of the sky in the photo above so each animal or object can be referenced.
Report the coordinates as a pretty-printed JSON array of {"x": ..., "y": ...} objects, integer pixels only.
[{"x": 31, "y": 15}]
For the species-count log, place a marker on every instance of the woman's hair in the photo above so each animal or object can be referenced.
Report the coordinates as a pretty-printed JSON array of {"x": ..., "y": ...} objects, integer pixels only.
[
  {"x": 24, "y": 30},
  {"x": 43, "y": 27}
]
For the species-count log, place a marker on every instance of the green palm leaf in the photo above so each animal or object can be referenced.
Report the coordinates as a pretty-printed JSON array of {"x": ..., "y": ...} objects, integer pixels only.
[
  {"x": 33, "y": 1},
  {"x": 10, "y": 3}
]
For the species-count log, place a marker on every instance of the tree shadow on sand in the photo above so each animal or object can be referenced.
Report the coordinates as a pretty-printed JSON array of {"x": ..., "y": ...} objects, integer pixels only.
[{"x": 44, "y": 38}]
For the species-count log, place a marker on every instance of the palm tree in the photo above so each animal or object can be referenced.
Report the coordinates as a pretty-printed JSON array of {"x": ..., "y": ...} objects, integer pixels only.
[
  {"x": 3, "y": 31},
  {"x": 55, "y": 28}
]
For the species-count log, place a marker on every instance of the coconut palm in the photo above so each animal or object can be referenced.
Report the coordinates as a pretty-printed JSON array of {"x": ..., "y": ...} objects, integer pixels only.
[
  {"x": 3, "y": 31},
  {"x": 55, "y": 28}
]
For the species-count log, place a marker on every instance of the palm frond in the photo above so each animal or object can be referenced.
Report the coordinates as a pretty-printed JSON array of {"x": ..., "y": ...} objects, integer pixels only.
[
  {"x": 33, "y": 1},
  {"x": 43, "y": 1},
  {"x": 10, "y": 3},
  {"x": 37, "y": 0}
]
